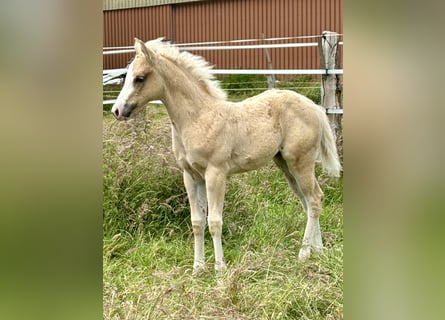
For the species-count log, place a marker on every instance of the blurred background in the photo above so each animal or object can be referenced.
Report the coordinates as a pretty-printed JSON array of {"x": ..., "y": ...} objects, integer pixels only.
[{"x": 51, "y": 174}]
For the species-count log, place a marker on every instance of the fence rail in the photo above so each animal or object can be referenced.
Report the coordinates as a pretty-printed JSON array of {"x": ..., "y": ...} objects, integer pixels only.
[
  {"x": 328, "y": 110},
  {"x": 118, "y": 72},
  {"x": 118, "y": 50}
]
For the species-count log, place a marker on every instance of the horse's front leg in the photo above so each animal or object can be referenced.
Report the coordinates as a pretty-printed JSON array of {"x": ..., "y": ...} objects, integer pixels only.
[
  {"x": 216, "y": 187},
  {"x": 196, "y": 193}
]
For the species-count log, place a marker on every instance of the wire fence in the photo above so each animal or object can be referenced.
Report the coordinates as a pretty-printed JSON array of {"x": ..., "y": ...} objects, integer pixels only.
[{"x": 116, "y": 76}]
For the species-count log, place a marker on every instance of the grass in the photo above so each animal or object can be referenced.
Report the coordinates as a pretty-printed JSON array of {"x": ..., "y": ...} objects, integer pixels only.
[
  {"x": 243, "y": 86},
  {"x": 148, "y": 242}
]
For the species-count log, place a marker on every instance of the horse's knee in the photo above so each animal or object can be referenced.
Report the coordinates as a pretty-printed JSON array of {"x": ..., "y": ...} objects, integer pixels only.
[
  {"x": 198, "y": 227},
  {"x": 215, "y": 226}
]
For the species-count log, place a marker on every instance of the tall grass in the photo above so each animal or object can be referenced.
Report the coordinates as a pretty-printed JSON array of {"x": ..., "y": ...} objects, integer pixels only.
[
  {"x": 241, "y": 86},
  {"x": 148, "y": 242}
]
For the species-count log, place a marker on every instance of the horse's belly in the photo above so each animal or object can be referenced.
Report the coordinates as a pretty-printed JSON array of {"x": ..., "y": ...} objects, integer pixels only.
[
  {"x": 254, "y": 150},
  {"x": 246, "y": 161}
]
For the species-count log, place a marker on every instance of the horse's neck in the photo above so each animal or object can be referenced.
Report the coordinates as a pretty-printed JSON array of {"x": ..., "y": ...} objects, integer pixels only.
[{"x": 185, "y": 100}]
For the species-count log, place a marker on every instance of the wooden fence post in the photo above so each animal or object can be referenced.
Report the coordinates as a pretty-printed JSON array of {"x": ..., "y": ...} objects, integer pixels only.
[
  {"x": 331, "y": 87},
  {"x": 271, "y": 80}
]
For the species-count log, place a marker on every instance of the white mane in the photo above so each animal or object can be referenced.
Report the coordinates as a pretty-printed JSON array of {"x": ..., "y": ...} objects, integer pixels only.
[{"x": 196, "y": 66}]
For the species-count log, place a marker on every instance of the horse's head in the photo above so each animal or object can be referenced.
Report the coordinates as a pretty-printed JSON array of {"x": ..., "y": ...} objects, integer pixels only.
[{"x": 142, "y": 83}]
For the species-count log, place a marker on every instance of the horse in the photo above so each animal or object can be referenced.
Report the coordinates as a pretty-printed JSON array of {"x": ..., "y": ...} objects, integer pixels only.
[{"x": 213, "y": 138}]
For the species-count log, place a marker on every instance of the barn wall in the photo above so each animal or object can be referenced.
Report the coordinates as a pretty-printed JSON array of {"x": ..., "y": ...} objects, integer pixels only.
[
  {"x": 122, "y": 26},
  {"x": 227, "y": 20},
  {"x": 125, "y": 4}
]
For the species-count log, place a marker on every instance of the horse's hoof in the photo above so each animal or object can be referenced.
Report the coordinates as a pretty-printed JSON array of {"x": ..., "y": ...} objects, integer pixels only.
[
  {"x": 305, "y": 253},
  {"x": 220, "y": 269},
  {"x": 198, "y": 269}
]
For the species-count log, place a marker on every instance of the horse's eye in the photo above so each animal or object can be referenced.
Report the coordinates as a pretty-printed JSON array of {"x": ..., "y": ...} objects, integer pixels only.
[{"x": 139, "y": 79}]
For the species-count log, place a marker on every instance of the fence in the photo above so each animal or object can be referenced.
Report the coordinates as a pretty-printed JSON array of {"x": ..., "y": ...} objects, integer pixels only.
[{"x": 327, "y": 43}]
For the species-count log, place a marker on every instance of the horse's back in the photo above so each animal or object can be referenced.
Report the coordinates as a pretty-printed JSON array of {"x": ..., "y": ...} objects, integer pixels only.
[
  {"x": 285, "y": 108},
  {"x": 280, "y": 95}
]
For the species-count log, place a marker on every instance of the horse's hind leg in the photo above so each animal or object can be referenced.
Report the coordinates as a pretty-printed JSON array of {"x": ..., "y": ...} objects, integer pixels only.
[
  {"x": 304, "y": 170},
  {"x": 301, "y": 176},
  {"x": 293, "y": 183},
  {"x": 312, "y": 233}
]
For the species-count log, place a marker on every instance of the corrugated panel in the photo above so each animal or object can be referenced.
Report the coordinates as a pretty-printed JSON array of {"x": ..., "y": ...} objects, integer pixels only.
[
  {"x": 232, "y": 20},
  {"x": 122, "y": 26},
  {"x": 229, "y": 20},
  {"x": 126, "y": 4}
]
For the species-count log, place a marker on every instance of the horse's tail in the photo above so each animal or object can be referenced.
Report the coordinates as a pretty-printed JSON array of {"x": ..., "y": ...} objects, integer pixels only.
[{"x": 328, "y": 149}]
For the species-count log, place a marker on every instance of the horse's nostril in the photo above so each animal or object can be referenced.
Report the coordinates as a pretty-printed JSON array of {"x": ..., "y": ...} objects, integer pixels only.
[{"x": 116, "y": 112}]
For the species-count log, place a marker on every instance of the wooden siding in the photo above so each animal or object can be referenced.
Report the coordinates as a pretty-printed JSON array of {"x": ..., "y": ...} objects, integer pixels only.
[{"x": 228, "y": 20}]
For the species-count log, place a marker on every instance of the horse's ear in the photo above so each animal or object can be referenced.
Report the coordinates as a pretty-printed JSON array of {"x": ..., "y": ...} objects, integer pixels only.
[{"x": 140, "y": 48}]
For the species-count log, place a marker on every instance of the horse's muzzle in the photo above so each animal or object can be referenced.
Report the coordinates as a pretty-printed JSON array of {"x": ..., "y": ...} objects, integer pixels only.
[{"x": 124, "y": 112}]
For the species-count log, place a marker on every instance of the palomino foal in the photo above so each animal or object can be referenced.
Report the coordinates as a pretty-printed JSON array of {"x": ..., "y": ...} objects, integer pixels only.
[{"x": 214, "y": 138}]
